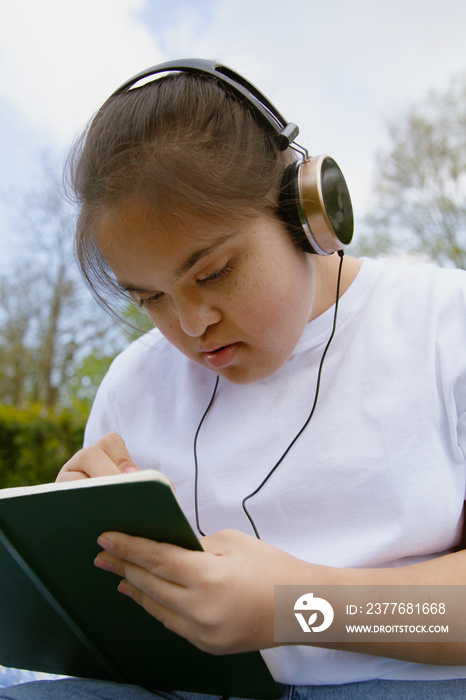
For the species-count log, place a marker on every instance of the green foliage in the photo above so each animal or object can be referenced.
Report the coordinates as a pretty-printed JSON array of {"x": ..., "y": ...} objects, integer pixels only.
[
  {"x": 36, "y": 442},
  {"x": 82, "y": 386},
  {"x": 137, "y": 322}
]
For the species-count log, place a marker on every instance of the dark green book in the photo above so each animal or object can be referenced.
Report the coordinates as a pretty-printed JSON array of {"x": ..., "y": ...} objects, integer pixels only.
[{"x": 62, "y": 615}]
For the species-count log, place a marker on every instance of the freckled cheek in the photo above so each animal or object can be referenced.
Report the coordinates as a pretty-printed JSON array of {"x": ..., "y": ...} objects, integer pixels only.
[
  {"x": 255, "y": 307},
  {"x": 241, "y": 299},
  {"x": 168, "y": 324}
]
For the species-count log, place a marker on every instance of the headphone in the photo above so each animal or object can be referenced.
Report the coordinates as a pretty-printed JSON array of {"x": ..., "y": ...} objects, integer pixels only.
[{"x": 314, "y": 197}]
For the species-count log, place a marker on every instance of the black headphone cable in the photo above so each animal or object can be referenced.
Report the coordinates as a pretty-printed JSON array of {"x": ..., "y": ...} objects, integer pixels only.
[{"x": 297, "y": 436}]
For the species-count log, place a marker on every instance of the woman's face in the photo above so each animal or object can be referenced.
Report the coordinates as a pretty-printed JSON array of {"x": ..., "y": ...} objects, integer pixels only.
[{"x": 234, "y": 298}]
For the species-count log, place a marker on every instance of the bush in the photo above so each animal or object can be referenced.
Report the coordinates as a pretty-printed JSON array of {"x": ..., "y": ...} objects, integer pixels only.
[{"x": 35, "y": 443}]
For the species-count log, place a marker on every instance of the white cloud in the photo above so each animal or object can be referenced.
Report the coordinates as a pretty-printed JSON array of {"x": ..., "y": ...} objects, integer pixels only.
[{"x": 60, "y": 60}]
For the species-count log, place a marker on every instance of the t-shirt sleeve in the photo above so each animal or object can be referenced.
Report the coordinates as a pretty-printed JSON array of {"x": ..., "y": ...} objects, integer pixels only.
[{"x": 103, "y": 417}]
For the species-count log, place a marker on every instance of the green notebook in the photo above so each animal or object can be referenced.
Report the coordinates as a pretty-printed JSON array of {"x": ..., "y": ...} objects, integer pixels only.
[{"x": 60, "y": 614}]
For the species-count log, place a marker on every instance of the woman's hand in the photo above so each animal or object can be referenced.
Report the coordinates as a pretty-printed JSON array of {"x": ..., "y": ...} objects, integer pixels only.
[
  {"x": 221, "y": 599},
  {"x": 108, "y": 456}
]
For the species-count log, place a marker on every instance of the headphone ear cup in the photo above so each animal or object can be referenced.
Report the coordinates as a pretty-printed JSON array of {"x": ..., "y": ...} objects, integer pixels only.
[{"x": 315, "y": 202}]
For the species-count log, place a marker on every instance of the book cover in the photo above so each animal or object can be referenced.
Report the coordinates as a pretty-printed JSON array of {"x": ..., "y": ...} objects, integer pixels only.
[{"x": 60, "y": 614}]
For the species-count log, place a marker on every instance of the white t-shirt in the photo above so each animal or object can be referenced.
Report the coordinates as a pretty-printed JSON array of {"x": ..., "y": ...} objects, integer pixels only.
[{"x": 377, "y": 478}]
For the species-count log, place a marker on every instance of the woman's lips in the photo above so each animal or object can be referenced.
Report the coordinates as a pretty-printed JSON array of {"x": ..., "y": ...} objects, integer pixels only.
[{"x": 221, "y": 356}]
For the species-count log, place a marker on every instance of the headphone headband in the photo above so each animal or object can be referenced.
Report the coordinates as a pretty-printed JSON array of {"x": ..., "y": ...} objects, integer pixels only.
[
  {"x": 283, "y": 131},
  {"x": 314, "y": 197}
]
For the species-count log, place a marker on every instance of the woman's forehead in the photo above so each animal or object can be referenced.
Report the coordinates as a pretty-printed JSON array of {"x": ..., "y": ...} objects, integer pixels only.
[
  {"x": 135, "y": 217},
  {"x": 134, "y": 232}
]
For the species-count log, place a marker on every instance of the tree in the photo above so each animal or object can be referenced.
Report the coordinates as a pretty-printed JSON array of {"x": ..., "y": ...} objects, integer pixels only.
[
  {"x": 420, "y": 190},
  {"x": 18, "y": 308},
  {"x": 48, "y": 323}
]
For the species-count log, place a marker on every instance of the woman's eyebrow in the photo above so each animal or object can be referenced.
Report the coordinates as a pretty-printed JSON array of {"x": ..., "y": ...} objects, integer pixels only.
[
  {"x": 199, "y": 254},
  {"x": 184, "y": 267},
  {"x": 128, "y": 287}
]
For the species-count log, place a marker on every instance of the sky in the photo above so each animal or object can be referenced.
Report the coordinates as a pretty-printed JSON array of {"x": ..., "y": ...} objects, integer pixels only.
[{"x": 338, "y": 68}]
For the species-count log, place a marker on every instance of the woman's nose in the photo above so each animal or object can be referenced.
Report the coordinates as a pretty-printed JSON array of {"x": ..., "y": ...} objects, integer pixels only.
[{"x": 195, "y": 318}]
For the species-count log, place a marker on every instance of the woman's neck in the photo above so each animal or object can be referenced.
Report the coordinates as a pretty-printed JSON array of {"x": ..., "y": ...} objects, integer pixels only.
[{"x": 327, "y": 274}]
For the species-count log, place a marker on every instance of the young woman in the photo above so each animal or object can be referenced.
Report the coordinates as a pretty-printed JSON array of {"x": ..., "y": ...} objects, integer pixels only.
[{"x": 332, "y": 450}]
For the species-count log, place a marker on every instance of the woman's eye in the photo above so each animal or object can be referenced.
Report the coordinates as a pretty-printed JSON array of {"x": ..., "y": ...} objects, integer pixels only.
[
  {"x": 217, "y": 275},
  {"x": 147, "y": 301}
]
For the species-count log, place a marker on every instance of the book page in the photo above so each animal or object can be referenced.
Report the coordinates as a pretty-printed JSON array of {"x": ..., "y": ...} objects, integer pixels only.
[{"x": 142, "y": 475}]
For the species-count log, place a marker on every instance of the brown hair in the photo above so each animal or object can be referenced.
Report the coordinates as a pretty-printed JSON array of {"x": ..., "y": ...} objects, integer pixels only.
[{"x": 184, "y": 143}]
